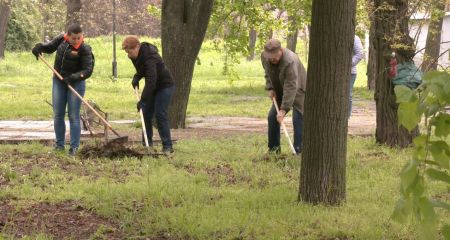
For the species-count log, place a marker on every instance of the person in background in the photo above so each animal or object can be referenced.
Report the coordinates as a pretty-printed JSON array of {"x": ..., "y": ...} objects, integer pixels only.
[{"x": 358, "y": 55}]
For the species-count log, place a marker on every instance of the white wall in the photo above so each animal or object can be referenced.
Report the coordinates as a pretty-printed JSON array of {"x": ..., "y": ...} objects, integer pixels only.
[{"x": 421, "y": 33}]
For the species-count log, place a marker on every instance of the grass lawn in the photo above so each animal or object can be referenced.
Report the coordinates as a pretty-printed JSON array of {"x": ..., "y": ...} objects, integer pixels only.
[
  {"x": 217, "y": 187},
  {"x": 26, "y": 84},
  {"x": 225, "y": 189}
]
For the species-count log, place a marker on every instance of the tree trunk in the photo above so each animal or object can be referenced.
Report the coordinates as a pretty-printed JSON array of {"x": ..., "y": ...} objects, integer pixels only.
[
  {"x": 183, "y": 28},
  {"x": 433, "y": 44},
  {"x": 292, "y": 35},
  {"x": 292, "y": 40},
  {"x": 322, "y": 176},
  {"x": 73, "y": 12},
  {"x": 252, "y": 44},
  {"x": 372, "y": 63},
  {"x": 388, "y": 22},
  {"x": 4, "y": 18}
]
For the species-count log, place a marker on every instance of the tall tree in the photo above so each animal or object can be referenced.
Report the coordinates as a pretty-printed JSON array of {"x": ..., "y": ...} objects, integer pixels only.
[
  {"x": 73, "y": 12},
  {"x": 292, "y": 34},
  {"x": 252, "y": 44},
  {"x": 183, "y": 28},
  {"x": 433, "y": 44},
  {"x": 390, "y": 23},
  {"x": 322, "y": 176},
  {"x": 4, "y": 18}
]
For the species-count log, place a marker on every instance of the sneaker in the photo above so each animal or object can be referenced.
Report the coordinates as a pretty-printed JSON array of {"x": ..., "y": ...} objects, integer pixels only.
[
  {"x": 58, "y": 148},
  {"x": 168, "y": 151},
  {"x": 73, "y": 152}
]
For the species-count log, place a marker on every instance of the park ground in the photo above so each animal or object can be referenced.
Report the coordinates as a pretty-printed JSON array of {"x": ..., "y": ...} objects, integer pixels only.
[{"x": 219, "y": 184}]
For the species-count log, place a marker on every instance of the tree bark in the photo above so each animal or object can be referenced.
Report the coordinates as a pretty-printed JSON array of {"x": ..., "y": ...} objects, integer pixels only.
[
  {"x": 73, "y": 12},
  {"x": 252, "y": 44},
  {"x": 388, "y": 22},
  {"x": 292, "y": 35},
  {"x": 433, "y": 44},
  {"x": 322, "y": 175},
  {"x": 372, "y": 62},
  {"x": 4, "y": 18},
  {"x": 292, "y": 40},
  {"x": 183, "y": 28}
]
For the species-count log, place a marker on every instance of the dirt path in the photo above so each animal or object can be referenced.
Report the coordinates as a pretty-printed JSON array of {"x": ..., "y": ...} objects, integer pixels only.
[{"x": 362, "y": 123}]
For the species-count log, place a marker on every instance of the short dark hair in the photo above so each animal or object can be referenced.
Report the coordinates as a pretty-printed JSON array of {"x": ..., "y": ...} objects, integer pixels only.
[{"x": 74, "y": 28}]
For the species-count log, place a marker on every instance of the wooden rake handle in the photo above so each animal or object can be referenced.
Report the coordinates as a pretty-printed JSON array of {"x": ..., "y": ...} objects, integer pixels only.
[
  {"x": 284, "y": 127},
  {"x": 79, "y": 96},
  {"x": 144, "y": 129}
]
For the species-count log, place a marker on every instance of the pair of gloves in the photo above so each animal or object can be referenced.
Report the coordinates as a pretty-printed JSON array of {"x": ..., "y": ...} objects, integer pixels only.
[{"x": 71, "y": 79}]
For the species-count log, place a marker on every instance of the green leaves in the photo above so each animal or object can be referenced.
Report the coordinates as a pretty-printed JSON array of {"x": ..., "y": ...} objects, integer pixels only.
[
  {"x": 404, "y": 94},
  {"x": 438, "y": 175},
  {"x": 431, "y": 156},
  {"x": 442, "y": 125},
  {"x": 440, "y": 152},
  {"x": 408, "y": 115}
]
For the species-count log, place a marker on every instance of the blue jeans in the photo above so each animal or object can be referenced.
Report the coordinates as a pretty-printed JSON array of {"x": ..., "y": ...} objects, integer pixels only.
[
  {"x": 157, "y": 106},
  {"x": 352, "y": 82},
  {"x": 63, "y": 97},
  {"x": 274, "y": 130}
]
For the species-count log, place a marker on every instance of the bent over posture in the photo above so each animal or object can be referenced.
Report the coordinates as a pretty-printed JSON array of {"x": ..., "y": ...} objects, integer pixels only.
[
  {"x": 158, "y": 88},
  {"x": 286, "y": 82}
]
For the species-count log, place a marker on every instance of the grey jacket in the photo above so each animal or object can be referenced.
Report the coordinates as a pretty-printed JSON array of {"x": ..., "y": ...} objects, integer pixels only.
[{"x": 288, "y": 79}]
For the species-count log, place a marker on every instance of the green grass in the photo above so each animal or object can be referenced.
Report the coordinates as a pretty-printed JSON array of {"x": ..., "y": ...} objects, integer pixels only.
[
  {"x": 188, "y": 197},
  {"x": 26, "y": 84}
]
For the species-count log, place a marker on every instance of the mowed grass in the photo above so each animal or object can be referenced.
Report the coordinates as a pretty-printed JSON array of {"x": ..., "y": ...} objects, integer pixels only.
[
  {"x": 26, "y": 83},
  {"x": 224, "y": 189}
]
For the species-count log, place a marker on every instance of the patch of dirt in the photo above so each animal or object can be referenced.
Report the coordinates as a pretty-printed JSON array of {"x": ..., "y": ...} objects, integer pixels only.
[
  {"x": 17, "y": 165},
  {"x": 62, "y": 220},
  {"x": 110, "y": 150},
  {"x": 224, "y": 172}
]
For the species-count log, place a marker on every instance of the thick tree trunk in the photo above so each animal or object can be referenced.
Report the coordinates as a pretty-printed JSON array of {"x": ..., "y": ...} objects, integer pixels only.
[
  {"x": 388, "y": 22},
  {"x": 322, "y": 176},
  {"x": 252, "y": 44},
  {"x": 183, "y": 28},
  {"x": 73, "y": 12},
  {"x": 433, "y": 44},
  {"x": 4, "y": 18}
]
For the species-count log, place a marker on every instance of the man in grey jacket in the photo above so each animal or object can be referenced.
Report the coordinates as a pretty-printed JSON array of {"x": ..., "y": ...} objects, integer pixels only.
[{"x": 286, "y": 82}]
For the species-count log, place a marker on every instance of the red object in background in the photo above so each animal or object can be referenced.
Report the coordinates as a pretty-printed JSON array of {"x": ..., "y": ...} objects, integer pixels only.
[{"x": 393, "y": 70}]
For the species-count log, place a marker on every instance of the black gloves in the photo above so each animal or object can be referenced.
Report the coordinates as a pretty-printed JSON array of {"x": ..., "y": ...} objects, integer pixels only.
[
  {"x": 37, "y": 50},
  {"x": 135, "y": 83},
  {"x": 139, "y": 105},
  {"x": 69, "y": 80}
]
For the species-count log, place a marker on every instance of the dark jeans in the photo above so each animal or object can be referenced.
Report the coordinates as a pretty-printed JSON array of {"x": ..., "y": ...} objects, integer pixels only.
[
  {"x": 352, "y": 82},
  {"x": 274, "y": 130},
  {"x": 62, "y": 97},
  {"x": 157, "y": 106}
]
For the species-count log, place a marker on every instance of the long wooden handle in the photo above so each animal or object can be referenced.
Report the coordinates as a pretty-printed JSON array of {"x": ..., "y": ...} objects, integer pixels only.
[
  {"x": 79, "y": 96},
  {"x": 144, "y": 129},
  {"x": 284, "y": 127}
]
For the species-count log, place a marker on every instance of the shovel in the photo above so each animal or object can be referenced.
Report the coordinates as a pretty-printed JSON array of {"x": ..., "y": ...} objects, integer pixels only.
[
  {"x": 284, "y": 128},
  {"x": 119, "y": 139}
]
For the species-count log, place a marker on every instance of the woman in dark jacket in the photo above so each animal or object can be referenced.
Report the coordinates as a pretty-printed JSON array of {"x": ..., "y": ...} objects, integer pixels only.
[
  {"x": 158, "y": 89},
  {"x": 75, "y": 62}
]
